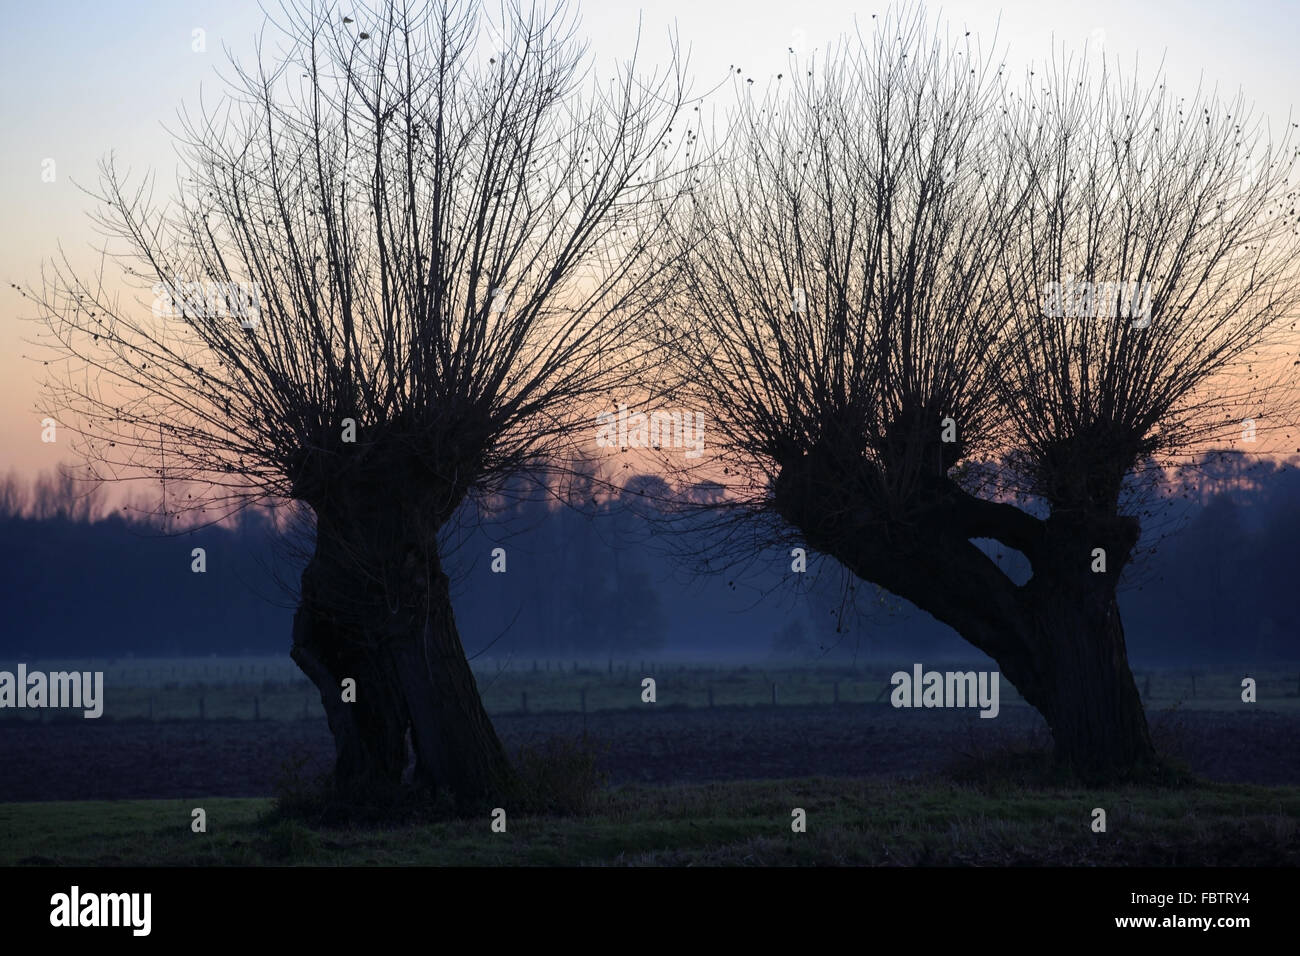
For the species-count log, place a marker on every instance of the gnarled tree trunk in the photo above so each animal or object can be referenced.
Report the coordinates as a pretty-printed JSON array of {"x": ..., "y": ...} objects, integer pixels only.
[
  {"x": 1057, "y": 639},
  {"x": 1060, "y": 642},
  {"x": 370, "y": 734},
  {"x": 376, "y": 608}
]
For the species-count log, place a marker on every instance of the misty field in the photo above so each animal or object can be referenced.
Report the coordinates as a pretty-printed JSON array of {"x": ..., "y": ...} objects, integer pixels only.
[
  {"x": 679, "y": 739},
  {"x": 272, "y": 688}
]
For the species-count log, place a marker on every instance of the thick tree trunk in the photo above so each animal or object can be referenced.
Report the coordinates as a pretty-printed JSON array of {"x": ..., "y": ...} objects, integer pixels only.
[
  {"x": 370, "y": 734},
  {"x": 453, "y": 737},
  {"x": 1058, "y": 639},
  {"x": 379, "y": 611},
  {"x": 1083, "y": 685},
  {"x": 1061, "y": 645}
]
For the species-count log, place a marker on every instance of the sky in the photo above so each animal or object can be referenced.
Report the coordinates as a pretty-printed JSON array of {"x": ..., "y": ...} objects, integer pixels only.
[{"x": 80, "y": 79}]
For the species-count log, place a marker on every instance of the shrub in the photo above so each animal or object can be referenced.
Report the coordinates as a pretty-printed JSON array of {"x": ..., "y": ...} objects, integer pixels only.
[{"x": 560, "y": 776}]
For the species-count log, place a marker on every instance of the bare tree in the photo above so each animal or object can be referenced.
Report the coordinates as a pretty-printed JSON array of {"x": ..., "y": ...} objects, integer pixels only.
[
  {"x": 406, "y": 253},
  {"x": 867, "y": 310}
]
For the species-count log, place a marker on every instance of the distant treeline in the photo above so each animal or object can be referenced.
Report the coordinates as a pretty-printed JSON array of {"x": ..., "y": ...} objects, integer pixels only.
[{"x": 80, "y": 580}]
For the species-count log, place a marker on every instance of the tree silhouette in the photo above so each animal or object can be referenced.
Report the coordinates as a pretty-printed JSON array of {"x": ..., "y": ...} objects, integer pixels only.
[
  {"x": 404, "y": 256},
  {"x": 866, "y": 306}
]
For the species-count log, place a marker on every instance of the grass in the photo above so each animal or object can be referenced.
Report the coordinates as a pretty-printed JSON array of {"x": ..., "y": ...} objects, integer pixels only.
[{"x": 865, "y": 822}]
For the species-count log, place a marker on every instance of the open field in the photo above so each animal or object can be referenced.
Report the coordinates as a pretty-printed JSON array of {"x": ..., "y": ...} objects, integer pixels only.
[
  {"x": 259, "y": 688},
  {"x": 866, "y": 822},
  {"x": 59, "y": 755},
  {"x": 77, "y": 759},
  {"x": 686, "y": 782}
]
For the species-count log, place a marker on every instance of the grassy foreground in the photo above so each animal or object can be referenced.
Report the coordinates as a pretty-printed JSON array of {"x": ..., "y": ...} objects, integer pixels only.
[{"x": 859, "y": 822}]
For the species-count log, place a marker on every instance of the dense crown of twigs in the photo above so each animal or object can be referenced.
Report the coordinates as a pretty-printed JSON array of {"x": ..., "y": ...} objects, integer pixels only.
[
  {"x": 449, "y": 232},
  {"x": 871, "y": 258}
]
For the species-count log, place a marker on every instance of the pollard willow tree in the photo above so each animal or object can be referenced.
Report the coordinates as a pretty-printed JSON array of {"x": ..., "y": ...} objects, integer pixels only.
[
  {"x": 439, "y": 233},
  {"x": 867, "y": 309}
]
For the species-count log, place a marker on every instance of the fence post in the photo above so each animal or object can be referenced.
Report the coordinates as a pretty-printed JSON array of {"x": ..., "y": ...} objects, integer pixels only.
[{"x": 773, "y": 693}]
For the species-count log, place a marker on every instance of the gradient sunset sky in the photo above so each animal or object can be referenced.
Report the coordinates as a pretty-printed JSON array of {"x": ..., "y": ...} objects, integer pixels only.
[{"x": 83, "y": 78}]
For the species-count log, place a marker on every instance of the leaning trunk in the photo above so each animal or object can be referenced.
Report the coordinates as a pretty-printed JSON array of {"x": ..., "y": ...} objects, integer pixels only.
[
  {"x": 1063, "y": 649},
  {"x": 1057, "y": 639},
  {"x": 376, "y": 609}
]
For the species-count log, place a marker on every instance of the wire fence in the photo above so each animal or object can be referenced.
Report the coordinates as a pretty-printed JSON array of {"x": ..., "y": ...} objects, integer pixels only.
[{"x": 274, "y": 689}]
